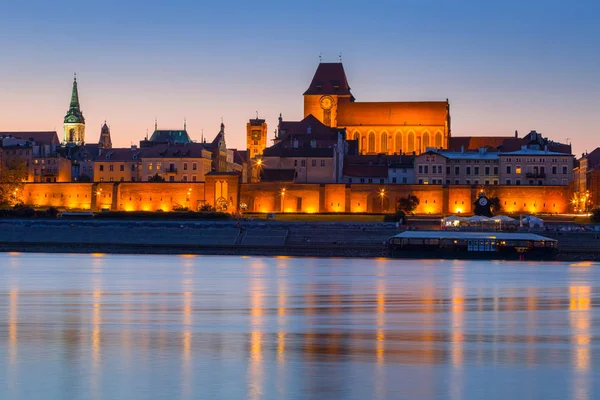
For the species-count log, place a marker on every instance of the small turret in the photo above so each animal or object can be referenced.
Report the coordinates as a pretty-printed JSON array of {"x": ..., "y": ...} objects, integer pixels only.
[{"x": 105, "y": 141}]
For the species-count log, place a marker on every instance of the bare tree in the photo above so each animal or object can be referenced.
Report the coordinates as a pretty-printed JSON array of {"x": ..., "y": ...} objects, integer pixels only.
[{"x": 12, "y": 177}]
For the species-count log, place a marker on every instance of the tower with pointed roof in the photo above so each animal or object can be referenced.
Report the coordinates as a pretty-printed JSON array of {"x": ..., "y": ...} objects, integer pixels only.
[
  {"x": 74, "y": 123},
  {"x": 105, "y": 142},
  {"x": 329, "y": 88}
]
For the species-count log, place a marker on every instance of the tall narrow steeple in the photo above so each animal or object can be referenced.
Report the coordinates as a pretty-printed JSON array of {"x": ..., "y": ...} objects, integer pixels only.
[
  {"x": 74, "y": 123},
  {"x": 74, "y": 95}
]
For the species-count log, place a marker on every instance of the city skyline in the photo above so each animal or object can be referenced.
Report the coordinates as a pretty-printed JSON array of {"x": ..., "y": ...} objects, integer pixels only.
[{"x": 502, "y": 68}]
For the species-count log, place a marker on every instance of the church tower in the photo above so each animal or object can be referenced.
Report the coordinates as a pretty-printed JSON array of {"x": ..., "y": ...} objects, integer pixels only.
[
  {"x": 256, "y": 137},
  {"x": 74, "y": 123},
  {"x": 105, "y": 142},
  {"x": 329, "y": 88}
]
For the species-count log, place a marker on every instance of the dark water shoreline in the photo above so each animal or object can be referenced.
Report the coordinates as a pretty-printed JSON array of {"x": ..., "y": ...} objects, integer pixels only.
[
  {"x": 256, "y": 238},
  {"x": 321, "y": 252}
]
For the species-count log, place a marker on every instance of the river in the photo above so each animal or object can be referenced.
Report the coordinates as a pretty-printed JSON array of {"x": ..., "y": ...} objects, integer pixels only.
[{"x": 188, "y": 327}]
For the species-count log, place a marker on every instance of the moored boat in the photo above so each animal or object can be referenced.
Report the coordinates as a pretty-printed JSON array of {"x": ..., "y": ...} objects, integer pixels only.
[{"x": 472, "y": 245}]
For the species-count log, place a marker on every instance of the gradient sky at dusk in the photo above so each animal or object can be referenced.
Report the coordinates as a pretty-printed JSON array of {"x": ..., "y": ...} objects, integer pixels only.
[{"x": 505, "y": 66}]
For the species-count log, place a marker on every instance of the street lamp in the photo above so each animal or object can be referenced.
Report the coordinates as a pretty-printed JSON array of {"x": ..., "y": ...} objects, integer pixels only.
[
  {"x": 283, "y": 200},
  {"x": 382, "y": 195}
]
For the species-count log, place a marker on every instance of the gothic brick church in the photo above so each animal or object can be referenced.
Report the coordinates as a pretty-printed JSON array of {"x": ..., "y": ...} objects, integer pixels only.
[{"x": 379, "y": 127}]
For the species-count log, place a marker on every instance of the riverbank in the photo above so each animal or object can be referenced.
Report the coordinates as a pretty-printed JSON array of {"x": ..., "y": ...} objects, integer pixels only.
[{"x": 248, "y": 238}]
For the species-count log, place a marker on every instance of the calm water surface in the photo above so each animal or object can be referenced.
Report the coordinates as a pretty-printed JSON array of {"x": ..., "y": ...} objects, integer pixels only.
[{"x": 177, "y": 327}]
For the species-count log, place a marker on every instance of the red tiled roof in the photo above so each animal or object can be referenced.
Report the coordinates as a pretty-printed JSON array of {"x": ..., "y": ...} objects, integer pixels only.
[
  {"x": 475, "y": 142},
  {"x": 117, "y": 154},
  {"x": 299, "y": 130},
  {"x": 392, "y": 113},
  {"x": 42, "y": 137},
  {"x": 593, "y": 158},
  {"x": 329, "y": 78}
]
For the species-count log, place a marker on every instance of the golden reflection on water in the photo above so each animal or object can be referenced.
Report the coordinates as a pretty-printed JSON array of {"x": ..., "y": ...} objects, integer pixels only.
[
  {"x": 457, "y": 326},
  {"x": 255, "y": 367},
  {"x": 187, "y": 287},
  {"x": 579, "y": 318},
  {"x": 96, "y": 337},
  {"x": 13, "y": 319}
]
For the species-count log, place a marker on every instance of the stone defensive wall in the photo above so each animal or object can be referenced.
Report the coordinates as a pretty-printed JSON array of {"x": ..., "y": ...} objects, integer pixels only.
[{"x": 277, "y": 197}]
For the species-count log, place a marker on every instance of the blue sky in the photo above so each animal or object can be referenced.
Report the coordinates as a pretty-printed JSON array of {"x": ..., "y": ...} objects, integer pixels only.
[{"x": 505, "y": 66}]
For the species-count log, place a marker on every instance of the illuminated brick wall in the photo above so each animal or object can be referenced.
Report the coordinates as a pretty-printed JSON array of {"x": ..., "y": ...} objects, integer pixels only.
[
  {"x": 149, "y": 196},
  {"x": 63, "y": 195},
  {"x": 309, "y": 198}
]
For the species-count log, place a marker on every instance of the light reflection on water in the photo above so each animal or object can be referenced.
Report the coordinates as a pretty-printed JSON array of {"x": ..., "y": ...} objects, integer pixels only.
[{"x": 110, "y": 326}]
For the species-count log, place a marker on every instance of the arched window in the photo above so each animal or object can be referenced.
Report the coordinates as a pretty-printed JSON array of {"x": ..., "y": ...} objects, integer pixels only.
[
  {"x": 384, "y": 143},
  {"x": 425, "y": 141},
  {"x": 438, "y": 140},
  {"x": 398, "y": 146},
  {"x": 363, "y": 145},
  {"x": 410, "y": 146},
  {"x": 371, "y": 142}
]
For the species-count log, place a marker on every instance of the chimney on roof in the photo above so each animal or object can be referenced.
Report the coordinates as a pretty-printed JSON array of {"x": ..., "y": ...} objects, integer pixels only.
[{"x": 516, "y": 134}]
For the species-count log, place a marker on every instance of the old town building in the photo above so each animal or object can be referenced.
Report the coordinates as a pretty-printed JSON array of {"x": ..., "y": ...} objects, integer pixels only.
[
  {"x": 314, "y": 151},
  {"x": 378, "y": 127},
  {"x": 176, "y": 163},
  {"x": 443, "y": 167}
]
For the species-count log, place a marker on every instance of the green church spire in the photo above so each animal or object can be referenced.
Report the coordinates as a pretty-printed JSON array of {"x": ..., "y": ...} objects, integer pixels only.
[
  {"x": 74, "y": 115},
  {"x": 74, "y": 95}
]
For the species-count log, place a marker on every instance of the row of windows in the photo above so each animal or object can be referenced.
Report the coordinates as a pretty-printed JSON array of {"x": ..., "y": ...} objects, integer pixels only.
[
  {"x": 368, "y": 143},
  {"x": 172, "y": 166},
  {"x": 540, "y": 182},
  {"x": 171, "y": 179},
  {"x": 20, "y": 152},
  {"x": 427, "y": 181},
  {"x": 313, "y": 163},
  {"x": 437, "y": 169},
  {"x": 381, "y": 180},
  {"x": 46, "y": 161},
  {"x": 537, "y": 170},
  {"x": 542, "y": 160}
]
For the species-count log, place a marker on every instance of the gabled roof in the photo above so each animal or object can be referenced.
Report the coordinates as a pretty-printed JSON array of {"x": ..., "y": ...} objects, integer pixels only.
[
  {"x": 170, "y": 136},
  {"x": 457, "y": 143},
  {"x": 329, "y": 78},
  {"x": 240, "y": 156},
  {"x": 393, "y": 113},
  {"x": 42, "y": 137},
  {"x": 118, "y": 154},
  {"x": 305, "y": 131},
  {"x": 187, "y": 150},
  {"x": 593, "y": 158}
]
